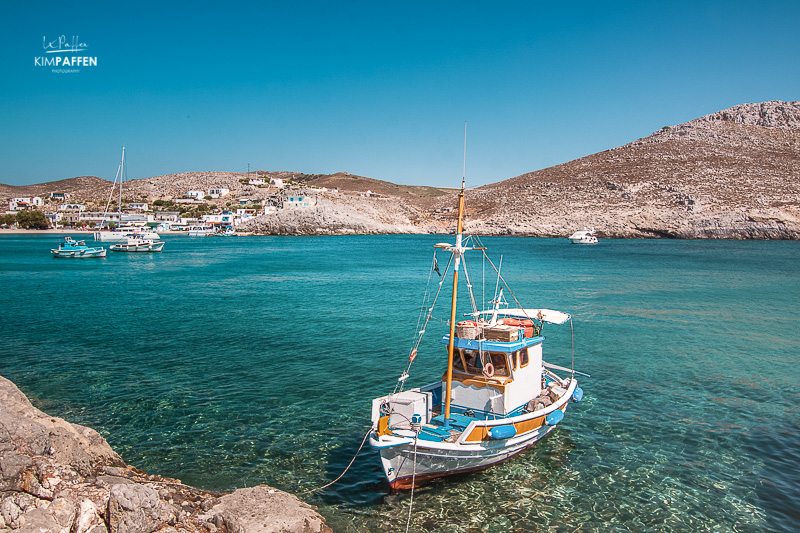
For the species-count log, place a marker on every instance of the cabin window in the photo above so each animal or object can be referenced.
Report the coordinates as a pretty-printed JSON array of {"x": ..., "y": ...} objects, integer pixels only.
[
  {"x": 523, "y": 358},
  {"x": 473, "y": 360},
  {"x": 499, "y": 363},
  {"x": 458, "y": 362}
]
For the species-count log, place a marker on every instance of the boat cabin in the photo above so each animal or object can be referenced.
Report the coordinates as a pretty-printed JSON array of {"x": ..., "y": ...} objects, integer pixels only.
[{"x": 495, "y": 378}]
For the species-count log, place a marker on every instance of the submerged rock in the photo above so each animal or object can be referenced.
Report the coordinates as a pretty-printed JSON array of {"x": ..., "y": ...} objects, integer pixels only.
[{"x": 61, "y": 477}]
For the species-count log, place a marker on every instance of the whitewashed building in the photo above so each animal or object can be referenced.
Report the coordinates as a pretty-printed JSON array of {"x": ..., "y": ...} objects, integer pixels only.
[
  {"x": 17, "y": 204},
  {"x": 218, "y": 192},
  {"x": 225, "y": 219},
  {"x": 298, "y": 202}
]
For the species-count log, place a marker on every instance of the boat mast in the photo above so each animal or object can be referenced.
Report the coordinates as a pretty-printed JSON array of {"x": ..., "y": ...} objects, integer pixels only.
[
  {"x": 458, "y": 250},
  {"x": 121, "y": 179}
]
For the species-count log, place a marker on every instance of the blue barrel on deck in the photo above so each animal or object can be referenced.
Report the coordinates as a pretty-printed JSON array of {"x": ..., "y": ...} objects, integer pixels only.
[
  {"x": 577, "y": 394},
  {"x": 502, "y": 432},
  {"x": 554, "y": 418}
]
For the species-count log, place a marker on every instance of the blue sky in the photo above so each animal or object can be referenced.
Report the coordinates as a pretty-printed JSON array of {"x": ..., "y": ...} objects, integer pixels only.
[{"x": 374, "y": 88}]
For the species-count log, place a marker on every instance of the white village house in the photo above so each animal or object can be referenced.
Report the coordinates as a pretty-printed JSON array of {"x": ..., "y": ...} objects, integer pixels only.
[
  {"x": 17, "y": 204},
  {"x": 297, "y": 202},
  {"x": 218, "y": 192}
]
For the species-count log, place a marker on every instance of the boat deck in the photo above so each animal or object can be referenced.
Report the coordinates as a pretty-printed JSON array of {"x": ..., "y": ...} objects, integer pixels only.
[{"x": 437, "y": 431}]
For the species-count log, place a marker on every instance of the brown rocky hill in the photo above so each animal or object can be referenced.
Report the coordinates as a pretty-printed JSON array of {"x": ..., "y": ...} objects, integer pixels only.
[
  {"x": 731, "y": 174},
  {"x": 85, "y": 187}
]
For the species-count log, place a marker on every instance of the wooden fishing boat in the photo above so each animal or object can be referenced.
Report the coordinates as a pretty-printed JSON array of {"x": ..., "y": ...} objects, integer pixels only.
[{"x": 497, "y": 397}]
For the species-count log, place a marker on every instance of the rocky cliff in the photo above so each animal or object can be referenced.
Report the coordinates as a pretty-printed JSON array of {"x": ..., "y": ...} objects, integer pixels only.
[
  {"x": 61, "y": 477},
  {"x": 731, "y": 174}
]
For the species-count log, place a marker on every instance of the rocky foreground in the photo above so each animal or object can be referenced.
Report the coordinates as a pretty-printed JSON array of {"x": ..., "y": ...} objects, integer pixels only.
[{"x": 61, "y": 477}]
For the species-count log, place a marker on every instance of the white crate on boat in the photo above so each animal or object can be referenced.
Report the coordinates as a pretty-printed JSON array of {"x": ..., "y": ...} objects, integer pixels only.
[{"x": 403, "y": 406}]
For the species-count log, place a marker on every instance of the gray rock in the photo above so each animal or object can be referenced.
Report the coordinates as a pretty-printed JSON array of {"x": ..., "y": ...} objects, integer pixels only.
[
  {"x": 60, "y": 477},
  {"x": 263, "y": 509}
]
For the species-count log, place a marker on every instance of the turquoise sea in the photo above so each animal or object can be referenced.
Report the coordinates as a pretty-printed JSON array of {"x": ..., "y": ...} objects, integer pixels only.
[{"x": 229, "y": 362}]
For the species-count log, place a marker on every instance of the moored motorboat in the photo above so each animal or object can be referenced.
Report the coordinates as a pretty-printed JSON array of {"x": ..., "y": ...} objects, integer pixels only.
[
  {"x": 584, "y": 236},
  {"x": 497, "y": 397},
  {"x": 71, "y": 248},
  {"x": 200, "y": 231},
  {"x": 123, "y": 234},
  {"x": 134, "y": 244}
]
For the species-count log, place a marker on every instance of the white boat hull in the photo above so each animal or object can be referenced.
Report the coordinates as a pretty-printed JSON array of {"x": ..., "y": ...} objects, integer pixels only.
[
  {"x": 122, "y": 236},
  {"x": 79, "y": 254},
  {"x": 408, "y": 461},
  {"x": 148, "y": 247}
]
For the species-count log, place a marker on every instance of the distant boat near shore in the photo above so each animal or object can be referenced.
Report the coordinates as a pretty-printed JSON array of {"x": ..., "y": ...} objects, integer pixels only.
[
  {"x": 200, "y": 231},
  {"x": 134, "y": 244},
  {"x": 73, "y": 249},
  {"x": 584, "y": 236}
]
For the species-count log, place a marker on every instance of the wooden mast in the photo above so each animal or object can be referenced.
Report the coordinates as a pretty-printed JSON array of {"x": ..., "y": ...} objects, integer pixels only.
[{"x": 457, "y": 251}]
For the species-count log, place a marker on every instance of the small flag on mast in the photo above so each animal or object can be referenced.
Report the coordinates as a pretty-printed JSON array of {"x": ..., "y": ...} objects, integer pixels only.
[{"x": 436, "y": 266}]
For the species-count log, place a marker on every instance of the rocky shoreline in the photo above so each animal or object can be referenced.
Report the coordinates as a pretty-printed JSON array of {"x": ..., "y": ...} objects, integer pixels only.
[{"x": 61, "y": 477}]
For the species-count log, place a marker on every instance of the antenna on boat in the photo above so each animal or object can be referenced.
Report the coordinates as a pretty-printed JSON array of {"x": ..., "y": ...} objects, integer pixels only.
[{"x": 464, "y": 173}]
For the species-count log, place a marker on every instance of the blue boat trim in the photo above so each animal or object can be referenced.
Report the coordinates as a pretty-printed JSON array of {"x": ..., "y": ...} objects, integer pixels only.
[
  {"x": 457, "y": 421},
  {"x": 493, "y": 346}
]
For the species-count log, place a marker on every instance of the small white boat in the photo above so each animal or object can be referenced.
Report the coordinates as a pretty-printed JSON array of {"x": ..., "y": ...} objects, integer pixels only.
[
  {"x": 200, "y": 231},
  {"x": 584, "y": 236},
  {"x": 497, "y": 397},
  {"x": 134, "y": 244},
  {"x": 73, "y": 249}
]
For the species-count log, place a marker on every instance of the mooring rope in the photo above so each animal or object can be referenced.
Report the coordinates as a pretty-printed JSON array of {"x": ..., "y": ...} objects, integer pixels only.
[
  {"x": 413, "y": 480},
  {"x": 346, "y": 469}
]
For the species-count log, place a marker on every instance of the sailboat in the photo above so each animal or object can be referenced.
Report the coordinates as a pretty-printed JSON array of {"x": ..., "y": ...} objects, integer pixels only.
[
  {"x": 496, "y": 398},
  {"x": 121, "y": 234}
]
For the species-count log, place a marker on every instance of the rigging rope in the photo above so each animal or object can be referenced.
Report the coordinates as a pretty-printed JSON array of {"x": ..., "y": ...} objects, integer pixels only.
[
  {"x": 572, "y": 343},
  {"x": 429, "y": 314}
]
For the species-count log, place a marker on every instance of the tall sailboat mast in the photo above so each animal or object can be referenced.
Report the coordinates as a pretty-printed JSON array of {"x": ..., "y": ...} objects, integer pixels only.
[
  {"x": 121, "y": 179},
  {"x": 457, "y": 252}
]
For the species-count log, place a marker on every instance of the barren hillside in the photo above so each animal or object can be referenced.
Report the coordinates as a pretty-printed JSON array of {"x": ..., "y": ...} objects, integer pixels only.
[
  {"x": 731, "y": 174},
  {"x": 734, "y": 173}
]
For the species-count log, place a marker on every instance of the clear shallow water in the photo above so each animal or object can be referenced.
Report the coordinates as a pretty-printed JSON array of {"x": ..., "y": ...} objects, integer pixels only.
[{"x": 233, "y": 362}]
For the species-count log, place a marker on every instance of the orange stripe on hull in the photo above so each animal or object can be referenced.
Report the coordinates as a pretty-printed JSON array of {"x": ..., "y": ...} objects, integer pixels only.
[{"x": 482, "y": 432}]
